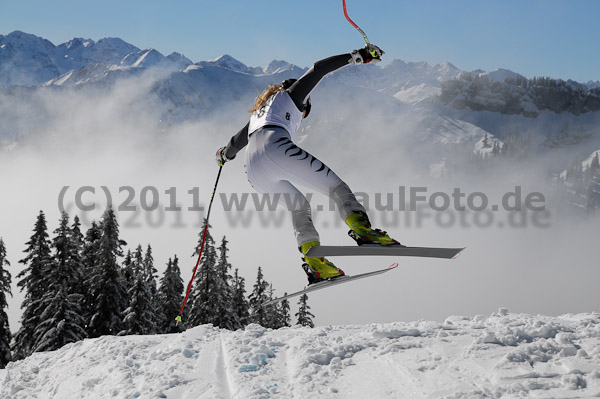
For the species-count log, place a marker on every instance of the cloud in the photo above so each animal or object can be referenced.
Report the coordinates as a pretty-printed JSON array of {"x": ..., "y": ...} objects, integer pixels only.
[{"x": 119, "y": 136}]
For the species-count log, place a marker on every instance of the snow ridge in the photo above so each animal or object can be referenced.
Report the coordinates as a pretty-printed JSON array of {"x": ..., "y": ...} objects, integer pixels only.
[{"x": 501, "y": 355}]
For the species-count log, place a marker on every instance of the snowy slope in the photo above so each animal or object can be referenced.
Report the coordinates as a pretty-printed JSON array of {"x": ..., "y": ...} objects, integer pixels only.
[
  {"x": 501, "y": 356},
  {"x": 27, "y": 59},
  {"x": 499, "y": 75}
]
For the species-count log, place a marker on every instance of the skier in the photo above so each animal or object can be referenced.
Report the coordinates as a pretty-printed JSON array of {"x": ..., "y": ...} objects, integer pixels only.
[{"x": 274, "y": 163}]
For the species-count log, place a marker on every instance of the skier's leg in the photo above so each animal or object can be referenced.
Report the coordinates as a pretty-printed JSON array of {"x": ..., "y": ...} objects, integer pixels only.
[
  {"x": 259, "y": 170},
  {"x": 264, "y": 176},
  {"x": 298, "y": 166}
]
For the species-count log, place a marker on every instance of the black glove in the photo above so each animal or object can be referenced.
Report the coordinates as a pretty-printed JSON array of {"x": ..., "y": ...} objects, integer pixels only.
[
  {"x": 368, "y": 54},
  {"x": 221, "y": 158}
]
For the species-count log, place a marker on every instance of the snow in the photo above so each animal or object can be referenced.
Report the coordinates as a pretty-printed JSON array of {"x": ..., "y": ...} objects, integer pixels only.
[
  {"x": 417, "y": 93},
  {"x": 584, "y": 164},
  {"x": 499, "y": 75},
  {"x": 503, "y": 355}
]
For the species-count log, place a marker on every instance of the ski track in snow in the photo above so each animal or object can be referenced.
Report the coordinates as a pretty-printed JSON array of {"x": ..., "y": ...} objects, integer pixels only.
[{"x": 504, "y": 355}]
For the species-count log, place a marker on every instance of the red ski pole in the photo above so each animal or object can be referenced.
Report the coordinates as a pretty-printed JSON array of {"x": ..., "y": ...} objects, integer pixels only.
[
  {"x": 371, "y": 50},
  {"x": 189, "y": 287}
]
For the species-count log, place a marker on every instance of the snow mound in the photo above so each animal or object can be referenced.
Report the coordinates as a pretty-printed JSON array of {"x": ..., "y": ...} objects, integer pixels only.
[
  {"x": 418, "y": 93},
  {"x": 503, "y": 355}
]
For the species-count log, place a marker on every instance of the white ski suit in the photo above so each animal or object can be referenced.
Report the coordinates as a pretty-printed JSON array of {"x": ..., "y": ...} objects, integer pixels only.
[{"x": 275, "y": 165}]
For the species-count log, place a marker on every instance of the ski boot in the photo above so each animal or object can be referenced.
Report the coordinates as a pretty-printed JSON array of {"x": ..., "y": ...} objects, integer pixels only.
[
  {"x": 362, "y": 233},
  {"x": 318, "y": 269}
]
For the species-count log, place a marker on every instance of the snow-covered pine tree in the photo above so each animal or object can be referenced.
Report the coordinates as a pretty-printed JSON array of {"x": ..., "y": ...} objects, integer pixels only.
[
  {"x": 224, "y": 292},
  {"x": 67, "y": 256},
  {"x": 91, "y": 246},
  {"x": 137, "y": 265},
  {"x": 107, "y": 290},
  {"x": 304, "y": 316},
  {"x": 78, "y": 242},
  {"x": 149, "y": 269},
  {"x": 278, "y": 315},
  {"x": 285, "y": 319},
  {"x": 61, "y": 322},
  {"x": 127, "y": 270},
  {"x": 486, "y": 141},
  {"x": 139, "y": 316},
  {"x": 5, "y": 335},
  {"x": 37, "y": 262},
  {"x": 171, "y": 296},
  {"x": 240, "y": 304},
  {"x": 272, "y": 311},
  {"x": 202, "y": 299},
  {"x": 595, "y": 164},
  {"x": 260, "y": 294},
  {"x": 150, "y": 273}
]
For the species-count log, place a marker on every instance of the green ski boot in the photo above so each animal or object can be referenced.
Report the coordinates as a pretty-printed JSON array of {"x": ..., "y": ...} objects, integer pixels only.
[
  {"x": 318, "y": 269},
  {"x": 362, "y": 233}
]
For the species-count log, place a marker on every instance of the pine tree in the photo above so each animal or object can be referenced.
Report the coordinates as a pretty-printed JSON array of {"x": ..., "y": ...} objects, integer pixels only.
[
  {"x": 90, "y": 251},
  {"x": 304, "y": 316},
  {"x": 139, "y": 316},
  {"x": 202, "y": 298},
  {"x": 66, "y": 253},
  {"x": 5, "y": 335},
  {"x": 223, "y": 296},
  {"x": 137, "y": 264},
  {"x": 171, "y": 296},
  {"x": 486, "y": 143},
  {"x": 285, "y": 319},
  {"x": 149, "y": 269},
  {"x": 272, "y": 316},
  {"x": 595, "y": 165},
  {"x": 260, "y": 294},
  {"x": 278, "y": 315},
  {"x": 37, "y": 264},
  {"x": 61, "y": 322},
  {"x": 127, "y": 270},
  {"x": 240, "y": 304},
  {"x": 78, "y": 243},
  {"x": 150, "y": 273},
  {"x": 107, "y": 290}
]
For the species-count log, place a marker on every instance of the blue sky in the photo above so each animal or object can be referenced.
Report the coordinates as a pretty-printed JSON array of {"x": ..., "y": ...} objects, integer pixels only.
[{"x": 534, "y": 37}]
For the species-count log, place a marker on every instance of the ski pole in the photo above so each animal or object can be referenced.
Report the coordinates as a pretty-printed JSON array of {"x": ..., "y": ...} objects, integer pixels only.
[
  {"x": 189, "y": 287},
  {"x": 372, "y": 51}
]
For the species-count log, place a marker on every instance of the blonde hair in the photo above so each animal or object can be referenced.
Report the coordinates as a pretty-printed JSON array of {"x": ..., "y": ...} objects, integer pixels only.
[{"x": 263, "y": 97}]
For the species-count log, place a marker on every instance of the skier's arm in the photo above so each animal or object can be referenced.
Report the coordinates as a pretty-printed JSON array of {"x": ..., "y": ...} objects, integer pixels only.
[
  {"x": 235, "y": 145},
  {"x": 302, "y": 88}
]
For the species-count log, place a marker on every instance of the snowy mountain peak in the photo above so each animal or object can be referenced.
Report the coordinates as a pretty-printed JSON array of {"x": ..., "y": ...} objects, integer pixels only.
[
  {"x": 500, "y": 74},
  {"x": 179, "y": 60},
  {"x": 446, "y": 68},
  {"x": 149, "y": 57},
  {"x": 117, "y": 44},
  {"x": 591, "y": 84},
  {"x": 18, "y": 40},
  {"x": 77, "y": 42},
  {"x": 277, "y": 66},
  {"x": 228, "y": 62}
]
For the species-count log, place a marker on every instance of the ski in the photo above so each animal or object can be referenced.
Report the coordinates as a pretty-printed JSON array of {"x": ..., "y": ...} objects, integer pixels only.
[
  {"x": 378, "y": 250},
  {"x": 328, "y": 283}
]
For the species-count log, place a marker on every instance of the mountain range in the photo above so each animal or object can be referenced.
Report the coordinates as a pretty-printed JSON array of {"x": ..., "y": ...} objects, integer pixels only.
[
  {"x": 428, "y": 107},
  {"x": 29, "y": 60}
]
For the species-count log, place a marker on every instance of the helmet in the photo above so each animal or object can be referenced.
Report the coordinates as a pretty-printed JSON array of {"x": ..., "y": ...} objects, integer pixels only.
[{"x": 286, "y": 84}]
